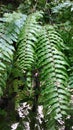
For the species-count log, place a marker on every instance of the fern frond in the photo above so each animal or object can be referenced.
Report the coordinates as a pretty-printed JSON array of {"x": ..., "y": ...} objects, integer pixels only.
[
  {"x": 53, "y": 73},
  {"x": 26, "y": 45},
  {"x": 10, "y": 26}
]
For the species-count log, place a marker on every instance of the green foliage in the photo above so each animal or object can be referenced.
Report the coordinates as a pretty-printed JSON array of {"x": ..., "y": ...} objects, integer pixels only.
[
  {"x": 52, "y": 65},
  {"x": 63, "y": 6},
  {"x": 26, "y": 43},
  {"x": 63, "y": 11},
  {"x": 34, "y": 50},
  {"x": 64, "y": 21},
  {"x": 10, "y": 27},
  {"x": 31, "y": 6},
  {"x": 44, "y": 50}
]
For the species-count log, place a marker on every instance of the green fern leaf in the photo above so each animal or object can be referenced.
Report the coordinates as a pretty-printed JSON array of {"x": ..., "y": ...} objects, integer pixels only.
[
  {"x": 10, "y": 26},
  {"x": 27, "y": 44},
  {"x": 52, "y": 65}
]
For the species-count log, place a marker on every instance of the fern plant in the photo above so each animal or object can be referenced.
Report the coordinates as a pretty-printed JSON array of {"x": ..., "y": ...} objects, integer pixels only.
[
  {"x": 10, "y": 27},
  {"x": 38, "y": 51}
]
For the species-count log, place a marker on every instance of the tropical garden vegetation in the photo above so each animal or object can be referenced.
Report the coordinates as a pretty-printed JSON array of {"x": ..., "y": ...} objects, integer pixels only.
[{"x": 36, "y": 65}]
